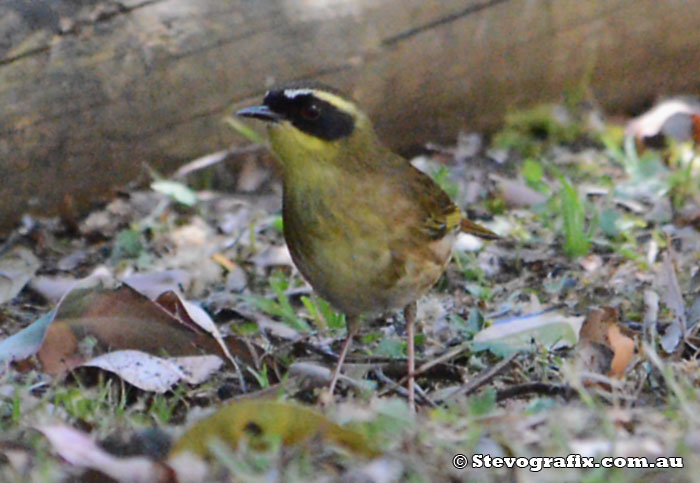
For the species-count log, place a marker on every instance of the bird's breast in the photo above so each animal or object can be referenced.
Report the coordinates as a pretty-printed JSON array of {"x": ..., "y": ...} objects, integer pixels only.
[{"x": 356, "y": 249}]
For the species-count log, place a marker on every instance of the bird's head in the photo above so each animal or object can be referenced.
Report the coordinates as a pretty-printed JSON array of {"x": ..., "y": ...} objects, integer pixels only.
[{"x": 312, "y": 123}]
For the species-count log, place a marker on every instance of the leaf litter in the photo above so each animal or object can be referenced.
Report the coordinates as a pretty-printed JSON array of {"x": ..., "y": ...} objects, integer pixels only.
[{"x": 576, "y": 333}]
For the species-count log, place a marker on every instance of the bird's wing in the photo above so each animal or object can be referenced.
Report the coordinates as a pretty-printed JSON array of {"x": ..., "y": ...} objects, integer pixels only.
[{"x": 440, "y": 215}]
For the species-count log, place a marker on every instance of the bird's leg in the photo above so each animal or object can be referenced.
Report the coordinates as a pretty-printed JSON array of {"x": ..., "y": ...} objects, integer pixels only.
[
  {"x": 352, "y": 326},
  {"x": 409, "y": 315}
]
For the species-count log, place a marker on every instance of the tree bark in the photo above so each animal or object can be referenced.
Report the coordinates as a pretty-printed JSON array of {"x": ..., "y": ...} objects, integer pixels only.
[{"x": 92, "y": 89}]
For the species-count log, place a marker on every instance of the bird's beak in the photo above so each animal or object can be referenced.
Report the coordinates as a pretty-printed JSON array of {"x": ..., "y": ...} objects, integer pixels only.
[{"x": 260, "y": 112}]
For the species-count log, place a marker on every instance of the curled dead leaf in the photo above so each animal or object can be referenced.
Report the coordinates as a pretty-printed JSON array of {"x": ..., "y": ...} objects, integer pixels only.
[
  {"x": 603, "y": 347},
  {"x": 673, "y": 118},
  {"x": 623, "y": 351},
  {"x": 95, "y": 321},
  {"x": 117, "y": 320}
]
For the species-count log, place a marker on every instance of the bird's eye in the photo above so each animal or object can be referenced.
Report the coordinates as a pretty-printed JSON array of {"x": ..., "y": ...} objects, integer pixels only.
[{"x": 310, "y": 112}]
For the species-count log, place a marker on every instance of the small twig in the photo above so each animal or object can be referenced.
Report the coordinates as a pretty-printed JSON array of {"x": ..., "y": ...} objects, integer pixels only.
[
  {"x": 437, "y": 367},
  {"x": 438, "y": 360},
  {"x": 389, "y": 382},
  {"x": 271, "y": 392},
  {"x": 297, "y": 291},
  {"x": 239, "y": 373},
  {"x": 536, "y": 387},
  {"x": 424, "y": 396},
  {"x": 484, "y": 377},
  {"x": 588, "y": 377},
  {"x": 319, "y": 376},
  {"x": 402, "y": 391},
  {"x": 324, "y": 353}
]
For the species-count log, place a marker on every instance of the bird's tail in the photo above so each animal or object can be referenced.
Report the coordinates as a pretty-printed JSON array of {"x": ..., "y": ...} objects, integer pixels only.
[{"x": 477, "y": 230}]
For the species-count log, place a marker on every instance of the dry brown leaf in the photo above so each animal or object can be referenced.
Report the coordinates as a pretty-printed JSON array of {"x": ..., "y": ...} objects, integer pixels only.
[
  {"x": 672, "y": 118},
  {"x": 124, "y": 319},
  {"x": 623, "y": 351},
  {"x": 594, "y": 328},
  {"x": 117, "y": 320},
  {"x": 193, "y": 315},
  {"x": 603, "y": 347}
]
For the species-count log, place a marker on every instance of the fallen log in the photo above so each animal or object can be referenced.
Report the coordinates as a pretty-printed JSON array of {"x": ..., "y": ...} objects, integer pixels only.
[{"x": 91, "y": 90}]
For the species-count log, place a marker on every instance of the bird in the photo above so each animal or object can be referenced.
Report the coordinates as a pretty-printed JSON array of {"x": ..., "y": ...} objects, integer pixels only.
[{"x": 370, "y": 232}]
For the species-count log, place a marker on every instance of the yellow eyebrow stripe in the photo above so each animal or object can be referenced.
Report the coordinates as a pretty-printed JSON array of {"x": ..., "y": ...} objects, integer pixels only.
[{"x": 338, "y": 102}]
